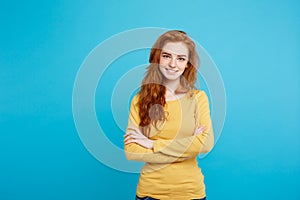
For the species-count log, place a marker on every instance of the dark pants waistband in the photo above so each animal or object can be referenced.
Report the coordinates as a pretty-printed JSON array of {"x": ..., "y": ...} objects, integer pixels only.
[{"x": 150, "y": 198}]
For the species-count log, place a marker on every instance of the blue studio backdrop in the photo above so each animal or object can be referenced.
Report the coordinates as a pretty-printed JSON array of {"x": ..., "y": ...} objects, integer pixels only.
[{"x": 254, "y": 44}]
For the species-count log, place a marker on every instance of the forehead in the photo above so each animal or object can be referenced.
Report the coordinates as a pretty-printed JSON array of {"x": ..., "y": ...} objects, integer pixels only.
[{"x": 177, "y": 48}]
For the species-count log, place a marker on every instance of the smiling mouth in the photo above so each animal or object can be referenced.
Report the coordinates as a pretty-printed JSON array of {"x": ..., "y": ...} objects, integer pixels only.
[{"x": 171, "y": 70}]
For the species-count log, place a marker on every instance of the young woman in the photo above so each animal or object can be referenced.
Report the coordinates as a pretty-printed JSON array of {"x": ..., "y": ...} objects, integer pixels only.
[{"x": 169, "y": 123}]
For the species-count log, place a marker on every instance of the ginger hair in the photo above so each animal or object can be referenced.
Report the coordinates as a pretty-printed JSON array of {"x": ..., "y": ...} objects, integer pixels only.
[{"x": 152, "y": 91}]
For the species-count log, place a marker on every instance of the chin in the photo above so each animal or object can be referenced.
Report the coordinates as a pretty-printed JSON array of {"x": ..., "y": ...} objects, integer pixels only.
[{"x": 171, "y": 78}]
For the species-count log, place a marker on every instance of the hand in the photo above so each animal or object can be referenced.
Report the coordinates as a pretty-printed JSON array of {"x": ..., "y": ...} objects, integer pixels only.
[
  {"x": 199, "y": 130},
  {"x": 134, "y": 135}
]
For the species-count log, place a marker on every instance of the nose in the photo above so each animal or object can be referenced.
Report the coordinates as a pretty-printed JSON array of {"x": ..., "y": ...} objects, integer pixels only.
[{"x": 172, "y": 62}]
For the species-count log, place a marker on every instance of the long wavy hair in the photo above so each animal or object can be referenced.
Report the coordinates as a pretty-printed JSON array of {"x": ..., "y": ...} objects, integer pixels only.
[{"x": 152, "y": 91}]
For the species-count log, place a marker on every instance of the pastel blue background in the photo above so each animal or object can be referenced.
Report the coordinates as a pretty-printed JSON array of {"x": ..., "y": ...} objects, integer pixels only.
[{"x": 255, "y": 44}]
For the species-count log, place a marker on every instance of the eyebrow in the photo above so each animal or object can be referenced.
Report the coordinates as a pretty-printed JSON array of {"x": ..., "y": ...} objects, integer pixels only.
[{"x": 171, "y": 54}]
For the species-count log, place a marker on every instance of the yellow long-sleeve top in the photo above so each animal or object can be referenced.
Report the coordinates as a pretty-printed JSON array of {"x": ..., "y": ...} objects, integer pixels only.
[{"x": 171, "y": 169}]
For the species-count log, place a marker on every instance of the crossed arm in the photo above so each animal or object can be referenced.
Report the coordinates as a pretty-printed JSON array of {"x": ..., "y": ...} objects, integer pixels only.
[{"x": 140, "y": 148}]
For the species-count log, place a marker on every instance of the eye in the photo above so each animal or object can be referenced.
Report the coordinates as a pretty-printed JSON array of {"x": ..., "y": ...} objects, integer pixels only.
[
  {"x": 166, "y": 56},
  {"x": 181, "y": 59}
]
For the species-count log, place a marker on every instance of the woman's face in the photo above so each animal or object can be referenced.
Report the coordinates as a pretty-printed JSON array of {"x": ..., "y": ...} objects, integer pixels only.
[{"x": 173, "y": 60}]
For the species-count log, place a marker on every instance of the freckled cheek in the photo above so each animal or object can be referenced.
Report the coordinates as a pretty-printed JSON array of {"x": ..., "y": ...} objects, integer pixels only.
[
  {"x": 182, "y": 67},
  {"x": 163, "y": 62}
]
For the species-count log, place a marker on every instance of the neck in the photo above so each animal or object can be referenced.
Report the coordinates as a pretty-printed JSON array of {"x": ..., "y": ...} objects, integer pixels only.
[{"x": 172, "y": 85}]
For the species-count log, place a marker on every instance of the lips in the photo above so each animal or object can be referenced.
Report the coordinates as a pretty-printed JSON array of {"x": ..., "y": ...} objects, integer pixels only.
[{"x": 171, "y": 70}]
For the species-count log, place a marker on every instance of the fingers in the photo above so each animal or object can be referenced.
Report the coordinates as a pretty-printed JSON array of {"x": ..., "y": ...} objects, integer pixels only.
[
  {"x": 130, "y": 141},
  {"x": 129, "y": 138},
  {"x": 199, "y": 130},
  {"x": 133, "y": 135},
  {"x": 202, "y": 128},
  {"x": 133, "y": 128},
  {"x": 133, "y": 132}
]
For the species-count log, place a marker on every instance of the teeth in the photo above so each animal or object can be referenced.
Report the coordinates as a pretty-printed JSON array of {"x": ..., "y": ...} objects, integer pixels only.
[{"x": 172, "y": 70}]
